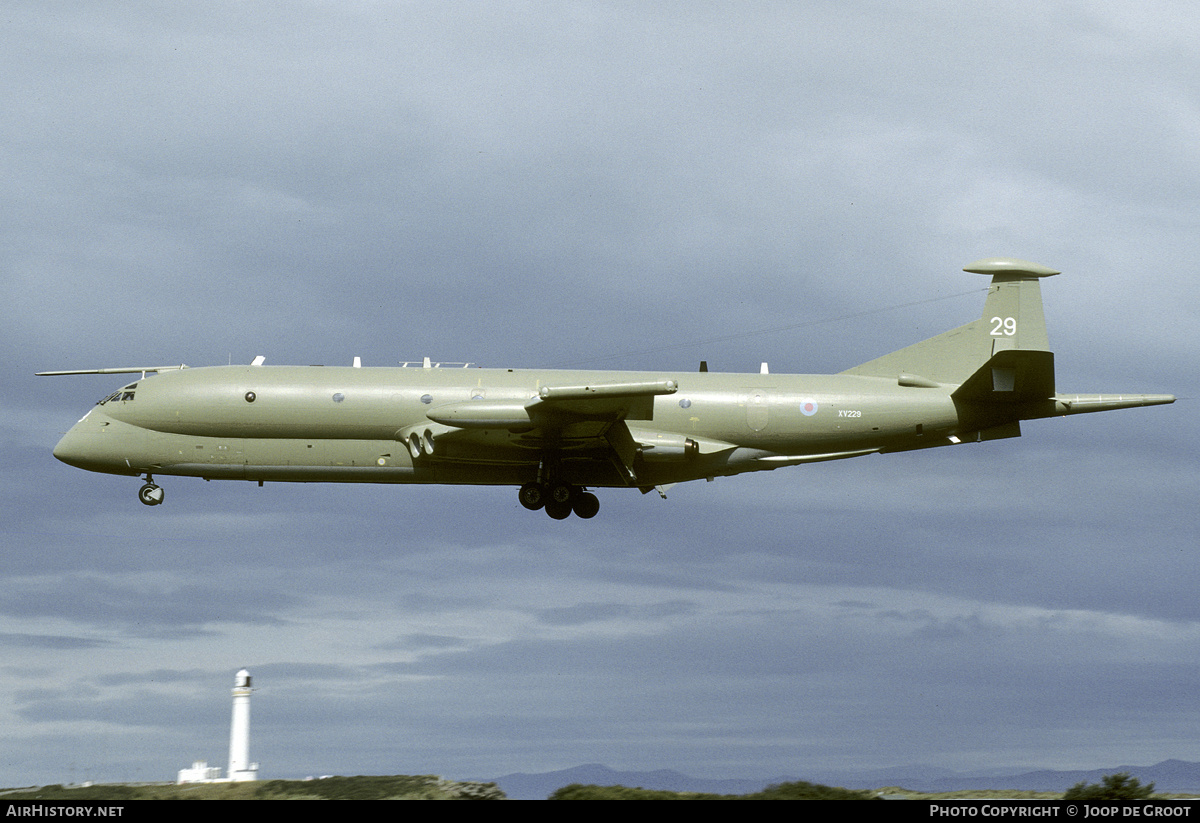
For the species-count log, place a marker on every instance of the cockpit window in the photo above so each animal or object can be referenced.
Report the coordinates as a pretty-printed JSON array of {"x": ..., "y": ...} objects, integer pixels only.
[{"x": 123, "y": 395}]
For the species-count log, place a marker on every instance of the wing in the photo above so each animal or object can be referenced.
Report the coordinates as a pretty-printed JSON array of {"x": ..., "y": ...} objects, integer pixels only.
[{"x": 568, "y": 420}]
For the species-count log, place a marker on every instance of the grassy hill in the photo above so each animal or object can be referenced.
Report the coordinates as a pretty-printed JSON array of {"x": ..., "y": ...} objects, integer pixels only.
[{"x": 399, "y": 787}]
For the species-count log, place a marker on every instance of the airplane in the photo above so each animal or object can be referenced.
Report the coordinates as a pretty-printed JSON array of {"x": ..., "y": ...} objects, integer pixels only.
[{"x": 556, "y": 434}]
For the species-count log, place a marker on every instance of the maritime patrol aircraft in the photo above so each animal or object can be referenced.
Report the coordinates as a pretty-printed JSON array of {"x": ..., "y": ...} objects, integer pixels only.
[{"x": 556, "y": 434}]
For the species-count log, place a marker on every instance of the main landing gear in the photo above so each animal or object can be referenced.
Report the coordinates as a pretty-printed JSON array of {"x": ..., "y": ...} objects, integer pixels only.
[
  {"x": 559, "y": 500},
  {"x": 151, "y": 494}
]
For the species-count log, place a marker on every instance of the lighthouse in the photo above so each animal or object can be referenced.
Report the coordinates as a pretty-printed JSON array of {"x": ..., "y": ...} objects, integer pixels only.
[{"x": 240, "y": 767}]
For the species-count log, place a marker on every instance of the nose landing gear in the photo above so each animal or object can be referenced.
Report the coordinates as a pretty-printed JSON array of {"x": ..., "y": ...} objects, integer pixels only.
[{"x": 151, "y": 494}]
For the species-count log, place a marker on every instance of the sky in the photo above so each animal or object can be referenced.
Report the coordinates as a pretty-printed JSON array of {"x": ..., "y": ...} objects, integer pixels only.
[{"x": 601, "y": 185}]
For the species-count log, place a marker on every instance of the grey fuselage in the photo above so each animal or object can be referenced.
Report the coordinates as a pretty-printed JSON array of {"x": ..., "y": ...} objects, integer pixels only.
[
  {"x": 313, "y": 423},
  {"x": 554, "y": 433}
]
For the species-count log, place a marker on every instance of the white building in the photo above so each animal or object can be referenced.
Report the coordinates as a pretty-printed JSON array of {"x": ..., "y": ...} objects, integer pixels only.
[{"x": 200, "y": 772}]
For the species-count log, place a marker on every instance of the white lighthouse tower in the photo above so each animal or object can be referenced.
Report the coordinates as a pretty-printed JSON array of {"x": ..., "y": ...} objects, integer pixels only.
[{"x": 240, "y": 767}]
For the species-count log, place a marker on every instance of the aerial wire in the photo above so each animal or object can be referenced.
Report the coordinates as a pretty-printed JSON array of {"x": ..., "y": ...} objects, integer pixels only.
[{"x": 773, "y": 330}]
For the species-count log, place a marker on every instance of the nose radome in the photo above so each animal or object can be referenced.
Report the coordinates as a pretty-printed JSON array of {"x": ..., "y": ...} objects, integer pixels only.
[
  {"x": 89, "y": 445},
  {"x": 73, "y": 449}
]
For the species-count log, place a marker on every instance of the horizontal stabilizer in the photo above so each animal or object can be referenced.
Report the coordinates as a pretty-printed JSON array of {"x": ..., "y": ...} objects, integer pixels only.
[{"x": 1084, "y": 403}]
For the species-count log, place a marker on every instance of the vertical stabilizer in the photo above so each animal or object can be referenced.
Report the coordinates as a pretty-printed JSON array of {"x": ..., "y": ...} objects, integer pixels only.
[
  {"x": 1013, "y": 312},
  {"x": 1012, "y": 319}
]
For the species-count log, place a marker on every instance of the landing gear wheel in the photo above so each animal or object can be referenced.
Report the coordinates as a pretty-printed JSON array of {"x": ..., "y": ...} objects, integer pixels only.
[
  {"x": 562, "y": 492},
  {"x": 532, "y": 496},
  {"x": 559, "y": 511},
  {"x": 586, "y": 505},
  {"x": 151, "y": 494}
]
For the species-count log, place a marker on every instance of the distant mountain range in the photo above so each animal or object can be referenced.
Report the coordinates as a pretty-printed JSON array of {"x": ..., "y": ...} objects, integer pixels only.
[{"x": 1174, "y": 776}]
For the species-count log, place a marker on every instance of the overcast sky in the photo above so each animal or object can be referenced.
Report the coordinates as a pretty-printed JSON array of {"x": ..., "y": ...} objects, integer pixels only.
[{"x": 612, "y": 185}]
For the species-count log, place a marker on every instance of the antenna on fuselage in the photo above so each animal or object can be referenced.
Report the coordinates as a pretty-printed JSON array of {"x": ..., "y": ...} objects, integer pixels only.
[{"x": 131, "y": 370}]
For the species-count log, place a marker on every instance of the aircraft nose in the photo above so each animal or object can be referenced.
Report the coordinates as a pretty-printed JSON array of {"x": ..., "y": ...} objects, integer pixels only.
[
  {"x": 86, "y": 446},
  {"x": 73, "y": 449}
]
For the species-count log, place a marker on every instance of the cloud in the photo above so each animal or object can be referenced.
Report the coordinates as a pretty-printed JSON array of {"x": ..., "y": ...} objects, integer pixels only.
[{"x": 608, "y": 186}]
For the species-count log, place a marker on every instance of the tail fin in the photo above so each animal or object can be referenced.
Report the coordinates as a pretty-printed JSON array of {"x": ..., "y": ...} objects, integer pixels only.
[{"x": 1012, "y": 320}]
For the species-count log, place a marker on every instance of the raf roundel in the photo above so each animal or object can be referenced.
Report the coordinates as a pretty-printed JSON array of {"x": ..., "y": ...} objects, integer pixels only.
[{"x": 808, "y": 407}]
